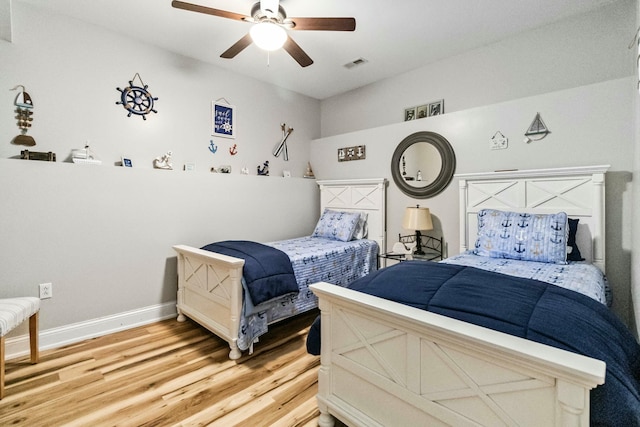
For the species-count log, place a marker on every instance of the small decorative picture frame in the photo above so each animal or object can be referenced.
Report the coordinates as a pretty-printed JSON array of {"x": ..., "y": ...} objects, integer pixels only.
[
  {"x": 436, "y": 108},
  {"x": 127, "y": 163},
  {"x": 422, "y": 111},
  {"x": 223, "y": 118},
  {"x": 409, "y": 114}
]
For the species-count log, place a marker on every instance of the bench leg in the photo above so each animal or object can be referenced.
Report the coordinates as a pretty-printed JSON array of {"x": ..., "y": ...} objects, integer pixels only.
[
  {"x": 1, "y": 367},
  {"x": 33, "y": 337}
]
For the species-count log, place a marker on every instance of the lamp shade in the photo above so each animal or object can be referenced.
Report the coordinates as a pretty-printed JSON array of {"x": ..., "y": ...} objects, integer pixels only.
[
  {"x": 417, "y": 219},
  {"x": 268, "y": 36}
]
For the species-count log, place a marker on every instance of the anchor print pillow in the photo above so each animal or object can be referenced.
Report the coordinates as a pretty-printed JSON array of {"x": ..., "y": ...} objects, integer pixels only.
[
  {"x": 337, "y": 225},
  {"x": 522, "y": 236}
]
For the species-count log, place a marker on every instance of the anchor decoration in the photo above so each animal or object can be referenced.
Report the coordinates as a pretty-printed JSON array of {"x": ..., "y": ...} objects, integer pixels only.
[
  {"x": 212, "y": 147},
  {"x": 233, "y": 150},
  {"x": 537, "y": 130},
  {"x": 282, "y": 146},
  {"x": 163, "y": 162},
  {"x": 136, "y": 99},
  {"x": 24, "y": 111},
  {"x": 264, "y": 171}
]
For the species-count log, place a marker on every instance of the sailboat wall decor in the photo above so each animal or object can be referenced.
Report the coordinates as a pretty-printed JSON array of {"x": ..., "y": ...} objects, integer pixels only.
[{"x": 537, "y": 130}]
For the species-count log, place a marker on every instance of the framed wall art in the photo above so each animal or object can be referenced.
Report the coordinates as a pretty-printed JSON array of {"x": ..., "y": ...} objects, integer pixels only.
[
  {"x": 409, "y": 114},
  {"x": 223, "y": 117},
  {"x": 428, "y": 109},
  {"x": 422, "y": 111},
  {"x": 436, "y": 108}
]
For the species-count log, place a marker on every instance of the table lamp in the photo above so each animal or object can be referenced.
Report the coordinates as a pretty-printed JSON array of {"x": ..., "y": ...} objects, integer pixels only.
[{"x": 417, "y": 219}]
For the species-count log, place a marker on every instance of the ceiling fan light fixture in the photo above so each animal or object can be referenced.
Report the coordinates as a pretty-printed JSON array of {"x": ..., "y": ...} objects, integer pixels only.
[{"x": 268, "y": 35}]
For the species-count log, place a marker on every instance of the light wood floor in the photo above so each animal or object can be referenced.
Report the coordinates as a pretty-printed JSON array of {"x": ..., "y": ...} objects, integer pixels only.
[{"x": 167, "y": 374}]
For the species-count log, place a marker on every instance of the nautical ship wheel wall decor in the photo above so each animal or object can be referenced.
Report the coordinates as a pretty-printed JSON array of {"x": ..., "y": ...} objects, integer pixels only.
[{"x": 137, "y": 99}]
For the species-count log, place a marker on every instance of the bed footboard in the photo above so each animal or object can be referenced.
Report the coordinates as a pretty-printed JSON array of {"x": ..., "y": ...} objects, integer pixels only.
[
  {"x": 383, "y": 363},
  {"x": 210, "y": 292}
]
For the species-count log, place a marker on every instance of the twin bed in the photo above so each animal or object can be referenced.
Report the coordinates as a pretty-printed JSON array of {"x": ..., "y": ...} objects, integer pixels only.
[
  {"x": 210, "y": 284},
  {"x": 423, "y": 343}
]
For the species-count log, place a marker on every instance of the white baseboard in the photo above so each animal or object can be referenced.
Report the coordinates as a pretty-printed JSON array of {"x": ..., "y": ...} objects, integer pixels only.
[{"x": 64, "y": 335}]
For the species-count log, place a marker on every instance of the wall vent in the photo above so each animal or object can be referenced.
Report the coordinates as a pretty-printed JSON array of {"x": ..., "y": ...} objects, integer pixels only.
[{"x": 355, "y": 63}]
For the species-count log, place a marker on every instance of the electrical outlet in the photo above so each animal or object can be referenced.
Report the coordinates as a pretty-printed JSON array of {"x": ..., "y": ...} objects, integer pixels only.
[{"x": 46, "y": 290}]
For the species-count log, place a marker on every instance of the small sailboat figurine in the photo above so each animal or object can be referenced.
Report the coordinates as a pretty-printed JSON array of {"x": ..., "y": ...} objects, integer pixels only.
[{"x": 537, "y": 130}]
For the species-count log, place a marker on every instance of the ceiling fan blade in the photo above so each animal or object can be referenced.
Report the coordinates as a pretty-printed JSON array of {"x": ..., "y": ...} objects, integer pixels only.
[
  {"x": 238, "y": 47},
  {"x": 297, "y": 53},
  {"x": 323, "y": 24},
  {"x": 209, "y": 11}
]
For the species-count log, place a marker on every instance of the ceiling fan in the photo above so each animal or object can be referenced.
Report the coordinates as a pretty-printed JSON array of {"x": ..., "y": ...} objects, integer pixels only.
[{"x": 270, "y": 25}]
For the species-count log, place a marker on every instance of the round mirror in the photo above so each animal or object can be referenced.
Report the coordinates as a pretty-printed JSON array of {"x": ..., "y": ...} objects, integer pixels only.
[{"x": 423, "y": 164}]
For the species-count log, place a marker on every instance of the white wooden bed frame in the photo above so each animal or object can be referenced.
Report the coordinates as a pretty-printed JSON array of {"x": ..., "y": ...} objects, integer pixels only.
[
  {"x": 209, "y": 284},
  {"x": 387, "y": 364}
]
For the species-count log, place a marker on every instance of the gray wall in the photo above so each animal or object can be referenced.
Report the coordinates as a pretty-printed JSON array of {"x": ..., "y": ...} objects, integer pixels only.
[
  {"x": 103, "y": 234},
  {"x": 72, "y": 69},
  {"x": 573, "y": 52},
  {"x": 590, "y": 125}
]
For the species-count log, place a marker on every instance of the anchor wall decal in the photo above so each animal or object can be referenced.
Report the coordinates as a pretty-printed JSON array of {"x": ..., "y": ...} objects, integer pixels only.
[
  {"x": 213, "y": 147},
  {"x": 233, "y": 150}
]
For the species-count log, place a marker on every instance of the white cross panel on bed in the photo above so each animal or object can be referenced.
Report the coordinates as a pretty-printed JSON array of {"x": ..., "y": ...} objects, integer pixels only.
[
  {"x": 359, "y": 195},
  {"x": 578, "y": 191}
]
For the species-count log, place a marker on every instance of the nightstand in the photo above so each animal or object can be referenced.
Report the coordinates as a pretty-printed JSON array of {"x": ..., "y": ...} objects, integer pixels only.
[{"x": 431, "y": 247}]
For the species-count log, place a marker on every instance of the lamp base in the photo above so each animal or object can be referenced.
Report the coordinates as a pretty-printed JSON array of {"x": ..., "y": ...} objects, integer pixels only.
[{"x": 418, "y": 250}]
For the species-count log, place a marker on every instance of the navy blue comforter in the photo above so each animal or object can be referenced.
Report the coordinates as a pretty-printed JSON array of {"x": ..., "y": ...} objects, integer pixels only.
[
  {"x": 525, "y": 308},
  {"x": 267, "y": 271}
]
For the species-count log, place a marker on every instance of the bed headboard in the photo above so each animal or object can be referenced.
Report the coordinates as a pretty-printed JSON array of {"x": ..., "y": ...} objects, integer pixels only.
[
  {"x": 360, "y": 195},
  {"x": 578, "y": 191}
]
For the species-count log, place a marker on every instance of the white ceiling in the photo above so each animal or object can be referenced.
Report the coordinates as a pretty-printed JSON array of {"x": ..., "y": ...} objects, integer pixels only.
[{"x": 394, "y": 37}]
